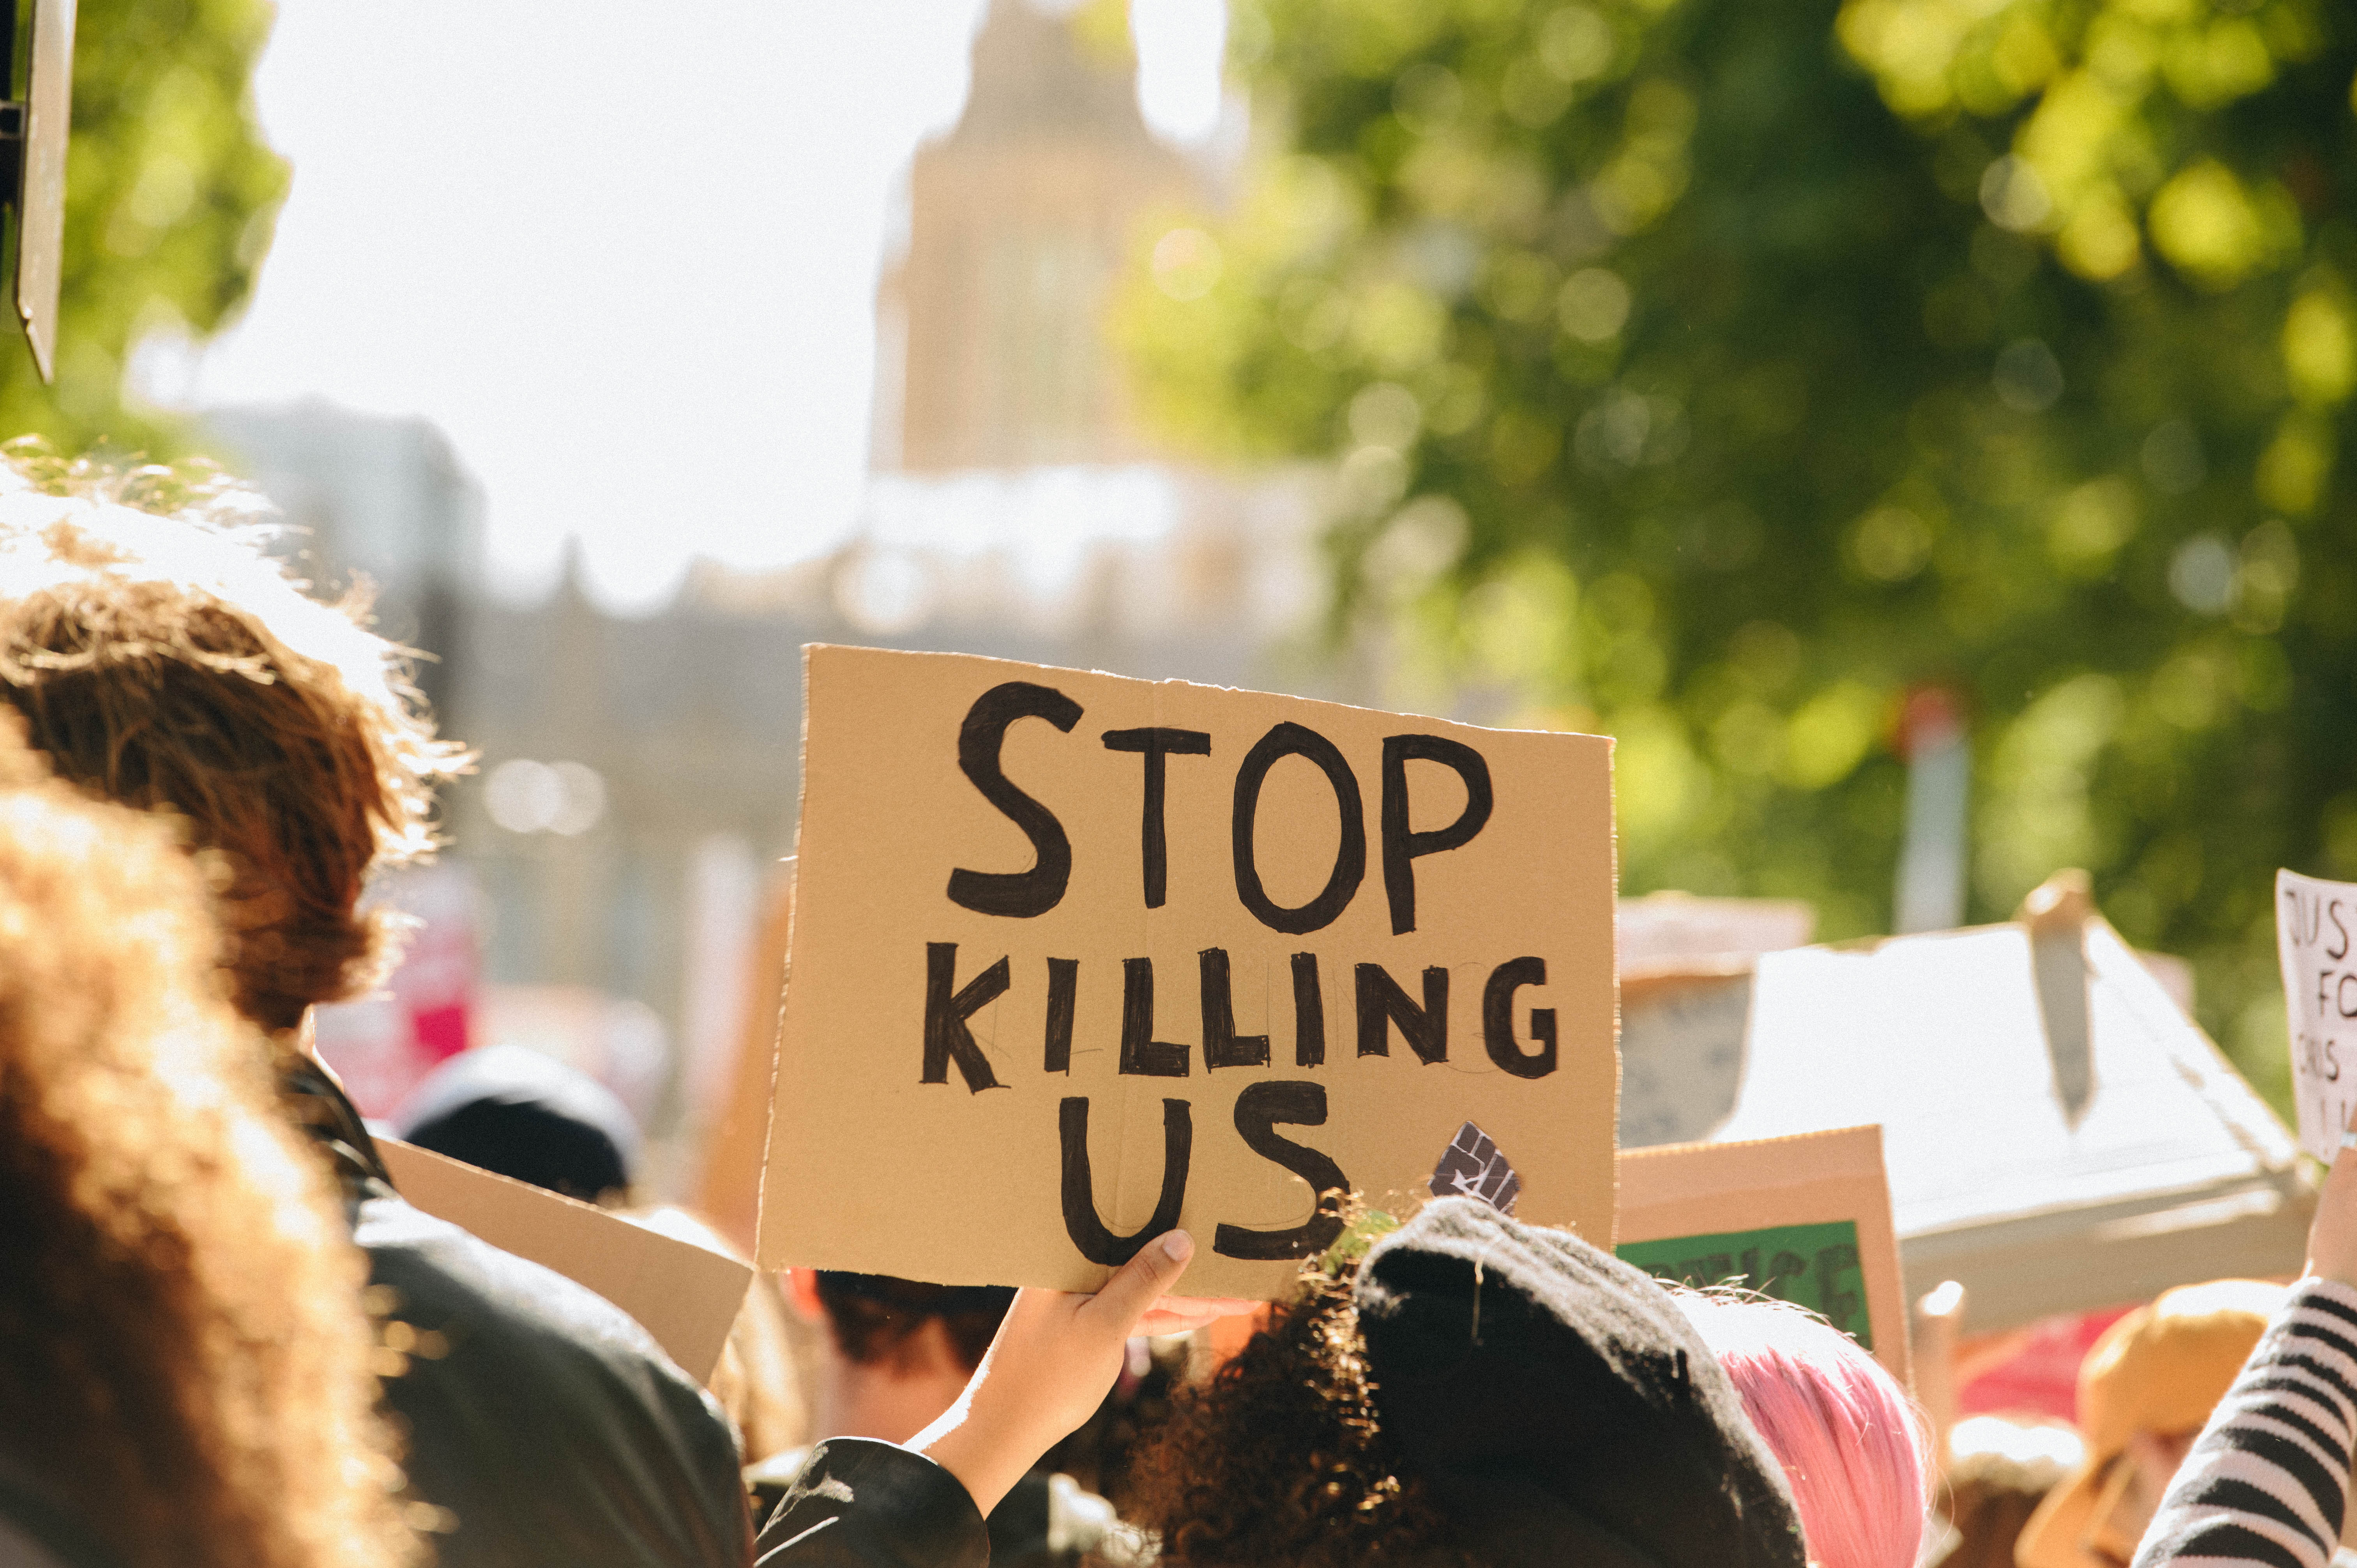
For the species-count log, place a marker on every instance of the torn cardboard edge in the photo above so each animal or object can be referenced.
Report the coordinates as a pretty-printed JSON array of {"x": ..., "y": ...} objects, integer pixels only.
[
  {"x": 1674, "y": 1190},
  {"x": 736, "y": 1154},
  {"x": 686, "y": 1296}
]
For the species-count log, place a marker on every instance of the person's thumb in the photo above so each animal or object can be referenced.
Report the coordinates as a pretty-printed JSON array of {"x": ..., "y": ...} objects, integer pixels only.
[{"x": 1149, "y": 1275}]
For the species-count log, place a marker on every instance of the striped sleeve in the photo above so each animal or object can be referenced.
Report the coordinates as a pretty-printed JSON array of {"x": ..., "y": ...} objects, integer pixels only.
[{"x": 2266, "y": 1482}]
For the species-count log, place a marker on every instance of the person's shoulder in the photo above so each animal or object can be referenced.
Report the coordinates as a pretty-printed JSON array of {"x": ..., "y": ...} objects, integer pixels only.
[
  {"x": 441, "y": 1271},
  {"x": 476, "y": 1312},
  {"x": 505, "y": 1364}
]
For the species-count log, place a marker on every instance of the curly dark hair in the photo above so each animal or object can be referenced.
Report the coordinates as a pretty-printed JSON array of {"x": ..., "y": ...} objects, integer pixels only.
[
  {"x": 164, "y": 661},
  {"x": 184, "y": 1356},
  {"x": 1279, "y": 1459}
]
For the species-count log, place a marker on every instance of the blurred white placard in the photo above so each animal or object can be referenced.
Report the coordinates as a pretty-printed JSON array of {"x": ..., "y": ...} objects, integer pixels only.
[{"x": 2316, "y": 931}]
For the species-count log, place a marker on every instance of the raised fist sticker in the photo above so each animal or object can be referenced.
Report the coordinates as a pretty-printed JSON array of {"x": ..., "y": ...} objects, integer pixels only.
[{"x": 1473, "y": 1166}]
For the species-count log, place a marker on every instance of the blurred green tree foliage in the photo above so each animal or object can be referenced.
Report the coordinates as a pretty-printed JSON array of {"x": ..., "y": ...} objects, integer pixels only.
[
  {"x": 170, "y": 198},
  {"x": 1714, "y": 371}
]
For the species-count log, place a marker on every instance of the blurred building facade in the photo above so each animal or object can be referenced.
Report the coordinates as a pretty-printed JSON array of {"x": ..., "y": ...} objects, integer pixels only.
[
  {"x": 639, "y": 776},
  {"x": 990, "y": 352},
  {"x": 364, "y": 496}
]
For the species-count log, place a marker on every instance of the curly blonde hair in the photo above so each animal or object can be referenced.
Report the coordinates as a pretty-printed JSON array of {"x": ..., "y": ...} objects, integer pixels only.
[
  {"x": 185, "y": 1363},
  {"x": 164, "y": 661}
]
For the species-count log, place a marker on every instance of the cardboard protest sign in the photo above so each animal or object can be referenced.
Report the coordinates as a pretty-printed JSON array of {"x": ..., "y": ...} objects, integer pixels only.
[
  {"x": 1805, "y": 1219},
  {"x": 2315, "y": 923},
  {"x": 1076, "y": 959},
  {"x": 685, "y": 1295}
]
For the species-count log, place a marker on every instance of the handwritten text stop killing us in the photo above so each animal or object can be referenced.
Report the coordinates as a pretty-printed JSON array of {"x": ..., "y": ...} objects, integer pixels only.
[{"x": 1380, "y": 1003}]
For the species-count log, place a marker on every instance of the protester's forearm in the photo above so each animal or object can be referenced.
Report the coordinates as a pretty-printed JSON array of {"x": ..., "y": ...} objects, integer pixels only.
[
  {"x": 2267, "y": 1481},
  {"x": 986, "y": 1459}
]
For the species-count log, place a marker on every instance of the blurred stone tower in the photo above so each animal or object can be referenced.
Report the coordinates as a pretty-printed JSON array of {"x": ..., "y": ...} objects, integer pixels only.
[{"x": 991, "y": 352}]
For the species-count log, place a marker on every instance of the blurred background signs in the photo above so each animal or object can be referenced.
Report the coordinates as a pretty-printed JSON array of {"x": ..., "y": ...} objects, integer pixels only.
[
  {"x": 2316, "y": 926},
  {"x": 1803, "y": 1218}
]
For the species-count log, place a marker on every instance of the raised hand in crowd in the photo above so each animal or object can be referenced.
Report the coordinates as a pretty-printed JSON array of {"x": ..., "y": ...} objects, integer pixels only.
[
  {"x": 1050, "y": 1366},
  {"x": 2267, "y": 1481}
]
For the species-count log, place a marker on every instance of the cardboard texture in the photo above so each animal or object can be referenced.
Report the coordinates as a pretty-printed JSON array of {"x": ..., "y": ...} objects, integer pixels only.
[
  {"x": 686, "y": 1296},
  {"x": 1063, "y": 940},
  {"x": 2314, "y": 923},
  {"x": 1808, "y": 1218}
]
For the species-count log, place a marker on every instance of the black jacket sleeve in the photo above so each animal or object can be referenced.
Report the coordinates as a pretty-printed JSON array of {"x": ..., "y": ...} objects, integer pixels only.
[{"x": 863, "y": 1504}]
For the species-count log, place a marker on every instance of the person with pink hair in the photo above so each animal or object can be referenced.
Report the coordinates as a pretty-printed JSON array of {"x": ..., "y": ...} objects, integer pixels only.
[{"x": 1853, "y": 1444}]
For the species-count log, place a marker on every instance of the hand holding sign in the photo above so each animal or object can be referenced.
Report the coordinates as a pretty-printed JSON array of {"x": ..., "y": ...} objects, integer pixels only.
[
  {"x": 2315, "y": 921},
  {"x": 1049, "y": 1367},
  {"x": 2332, "y": 1234}
]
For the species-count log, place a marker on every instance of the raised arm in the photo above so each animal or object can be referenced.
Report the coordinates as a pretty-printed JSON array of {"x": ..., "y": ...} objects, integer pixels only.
[
  {"x": 862, "y": 1504},
  {"x": 2267, "y": 1483}
]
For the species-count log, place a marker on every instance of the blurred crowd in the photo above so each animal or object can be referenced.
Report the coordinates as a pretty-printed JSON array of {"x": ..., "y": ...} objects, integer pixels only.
[{"x": 226, "y": 1338}]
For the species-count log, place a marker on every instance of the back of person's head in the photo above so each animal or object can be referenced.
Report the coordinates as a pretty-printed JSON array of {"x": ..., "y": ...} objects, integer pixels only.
[
  {"x": 184, "y": 1356},
  {"x": 1999, "y": 1468},
  {"x": 876, "y": 1318},
  {"x": 529, "y": 1117},
  {"x": 1476, "y": 1389},
  {"x": 1853, "y": 1446},
  {"x": 163, "y": 661}
]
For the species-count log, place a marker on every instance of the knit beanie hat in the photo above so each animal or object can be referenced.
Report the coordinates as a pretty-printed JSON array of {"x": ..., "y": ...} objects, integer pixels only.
[{"x": 1559, "y": 1405}]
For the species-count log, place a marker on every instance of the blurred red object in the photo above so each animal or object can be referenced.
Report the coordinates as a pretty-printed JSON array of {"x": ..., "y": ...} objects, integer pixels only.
[
  {"x": 381, "y": 1045},
  {"x": 2033, "y": 1369}
]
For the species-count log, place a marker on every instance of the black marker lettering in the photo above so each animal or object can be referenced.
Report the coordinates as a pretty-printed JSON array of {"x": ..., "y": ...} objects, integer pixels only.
[
  {"x": 1289, "y": 739},
  {"x": 1710, "y": 1269},
  {"x": 1382, "y": 1003},
  {"x": 1498, "y": 1019},
  {"x": 1063, "y": 980},
  {"x": 1020, "y": 894},
  {"x": 946, "y": 1011},
  {"x": 1155, "y": 745},
  {"x": 1402, "y": 845},
  {"x": 1141, "y": 1053},
  {"x": 1222, "y": 1046},
  {"x": 1088, "y": 1232},
  {"x": 1839, "y": 1306},
  {"x": 1260, "y": 1110},
  {"x": 1308, "y": 1012}
]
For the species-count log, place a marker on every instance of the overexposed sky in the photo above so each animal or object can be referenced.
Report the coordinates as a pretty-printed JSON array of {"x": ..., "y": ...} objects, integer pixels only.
[{"x": 624, "y": 253}]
